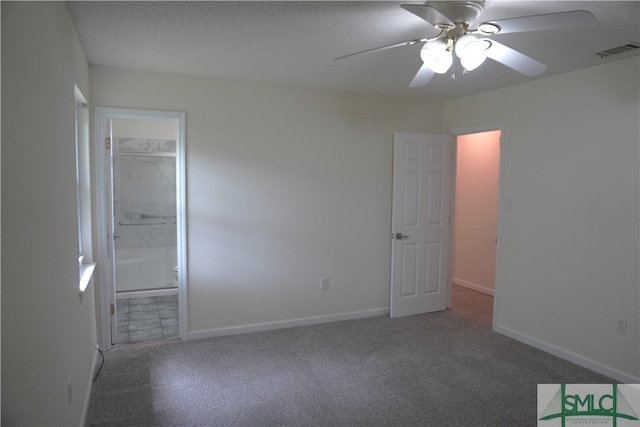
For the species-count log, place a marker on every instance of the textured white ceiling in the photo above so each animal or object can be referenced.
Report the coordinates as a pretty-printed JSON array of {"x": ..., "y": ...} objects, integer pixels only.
[{"x": 294, "y": 43}]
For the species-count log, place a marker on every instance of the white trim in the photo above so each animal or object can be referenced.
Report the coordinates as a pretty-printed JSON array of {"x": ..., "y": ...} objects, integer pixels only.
[
  {"x": 181, "y": 224},
  {"x": 89, "y": 389},
  {"x": 105, "y": 291},
  {"x": 146, "y": 294},
  {"x": 102, "y": 230},
  {"x": 477, "y": 128},
  {"x": 282, "y": 324},
  {"x": 567, "y": 355},
  {"x": 473, "y": 286},
  {"x": 452, "y": 219}
]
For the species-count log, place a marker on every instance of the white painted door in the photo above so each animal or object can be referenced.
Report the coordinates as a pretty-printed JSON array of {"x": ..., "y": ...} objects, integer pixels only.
[{"x": 420, "y": 223}]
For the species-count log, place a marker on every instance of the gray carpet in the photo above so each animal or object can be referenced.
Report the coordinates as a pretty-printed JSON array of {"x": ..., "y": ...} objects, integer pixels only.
[{"x": 438, "y": 369}]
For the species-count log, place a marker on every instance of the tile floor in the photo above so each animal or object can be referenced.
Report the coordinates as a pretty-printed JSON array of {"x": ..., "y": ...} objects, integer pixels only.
[
  {"x": 145, "y": 319},
  {"x": 472, "y": 304}
]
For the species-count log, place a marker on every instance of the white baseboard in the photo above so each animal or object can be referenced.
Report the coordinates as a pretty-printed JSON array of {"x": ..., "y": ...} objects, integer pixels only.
[
  {"x": 89, "y": 389},
  {"x": 282, "y": 324},
  {"x": 568, "y": 355},
  {"x": 473, "y": 286}
]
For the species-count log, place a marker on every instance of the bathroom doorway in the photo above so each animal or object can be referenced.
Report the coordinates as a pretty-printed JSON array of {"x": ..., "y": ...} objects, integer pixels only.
[
  {"x": 143, "y": 170},
  {"x": 143, "y": 196}
]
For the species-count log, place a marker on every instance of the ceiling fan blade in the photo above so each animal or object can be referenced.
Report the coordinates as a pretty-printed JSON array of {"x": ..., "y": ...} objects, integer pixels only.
[
  {"x": 513, "y": 59},
  {"x": 429, "y": 14},
  {"x": 422, "y": 77},
  {"x": 377, "y": 49},
  {"x": 549, "y": 21}
]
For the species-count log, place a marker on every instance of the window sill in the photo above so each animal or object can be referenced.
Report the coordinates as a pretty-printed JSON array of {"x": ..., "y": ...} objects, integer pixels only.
[{"x": 86, "y": 273}]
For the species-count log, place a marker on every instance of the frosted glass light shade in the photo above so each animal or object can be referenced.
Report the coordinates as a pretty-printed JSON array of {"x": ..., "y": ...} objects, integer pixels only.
[
  {"x": 471, "y": 51},
  {"x": 473, "y": 59},
  {"x": 436, "y": 56},
  {"x": 462, "y": 43}
]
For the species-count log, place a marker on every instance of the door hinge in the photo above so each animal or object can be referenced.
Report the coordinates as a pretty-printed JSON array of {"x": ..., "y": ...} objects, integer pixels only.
[
  {"x": 112, "y": 309},
  {"x": 107, "y": 143}
]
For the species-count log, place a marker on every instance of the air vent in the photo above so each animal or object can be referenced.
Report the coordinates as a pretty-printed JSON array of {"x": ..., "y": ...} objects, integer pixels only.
[{"x": 619, "y": 49}]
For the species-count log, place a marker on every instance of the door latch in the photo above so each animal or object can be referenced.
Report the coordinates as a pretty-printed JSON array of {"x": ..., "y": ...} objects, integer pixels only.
[{"x": 399, "y": 236}]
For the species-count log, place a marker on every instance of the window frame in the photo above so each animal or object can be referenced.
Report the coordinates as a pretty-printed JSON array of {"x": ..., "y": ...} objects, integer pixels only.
[{"x": 86, "y": 266}]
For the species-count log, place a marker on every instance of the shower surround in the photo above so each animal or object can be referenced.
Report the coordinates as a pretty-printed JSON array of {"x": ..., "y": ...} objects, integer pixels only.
[{"x": 144, "y": 202}]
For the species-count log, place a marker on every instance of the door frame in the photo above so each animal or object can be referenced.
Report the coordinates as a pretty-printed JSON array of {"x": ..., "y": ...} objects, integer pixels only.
[
  {"x": 468, "y": 130},
  {"x": 104, "y": 241}
]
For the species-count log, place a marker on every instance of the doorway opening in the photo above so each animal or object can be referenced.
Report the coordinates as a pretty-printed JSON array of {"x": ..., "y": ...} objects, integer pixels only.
[
  {"x": 475, "y": 224},
  {"x": 141, "y": 193}
]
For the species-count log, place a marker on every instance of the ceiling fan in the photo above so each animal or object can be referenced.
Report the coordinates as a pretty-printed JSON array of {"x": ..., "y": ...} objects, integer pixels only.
[{"x": 453, "y": 21}]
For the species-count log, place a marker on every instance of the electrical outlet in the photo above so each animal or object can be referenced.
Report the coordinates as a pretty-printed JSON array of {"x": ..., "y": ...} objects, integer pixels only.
[
  {"x": 69, "y": 392},
  {"x": 324, "y": 283},
  {"x": 621, "y": 325}
]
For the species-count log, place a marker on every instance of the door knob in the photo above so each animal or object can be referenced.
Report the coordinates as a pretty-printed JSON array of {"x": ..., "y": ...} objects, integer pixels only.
[{"x": 399, "y": 236}]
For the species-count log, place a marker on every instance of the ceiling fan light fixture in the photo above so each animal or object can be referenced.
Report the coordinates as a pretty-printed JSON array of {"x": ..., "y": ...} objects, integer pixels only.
[
  {"x": 453, "y": 19},
  {"x": 436, "y": 56},
  {"x": 473, "y": 61},
  {"x": 462, "y": 43},
  {"x": 474, "y": 54},
  {"x": 471, "y": 51}
]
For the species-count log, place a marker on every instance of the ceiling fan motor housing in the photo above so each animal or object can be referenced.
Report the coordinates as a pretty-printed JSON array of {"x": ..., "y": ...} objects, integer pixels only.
[{"x": 459, "y": 11}]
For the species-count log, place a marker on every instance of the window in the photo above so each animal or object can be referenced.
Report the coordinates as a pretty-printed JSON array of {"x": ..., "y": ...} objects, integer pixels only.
[{"x": 83, "y": 191}]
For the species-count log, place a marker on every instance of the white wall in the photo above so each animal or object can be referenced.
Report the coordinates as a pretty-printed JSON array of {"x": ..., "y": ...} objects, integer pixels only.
[
  {"x": 48, "y": 334},
  {"x": 476, "y": 210},
  {"x": 568, "y": 261},
  {"x": 284, "y": 185}
]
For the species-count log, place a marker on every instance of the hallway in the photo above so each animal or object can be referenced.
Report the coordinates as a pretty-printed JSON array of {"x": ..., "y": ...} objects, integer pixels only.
[{"x": 472, "y": 304}]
